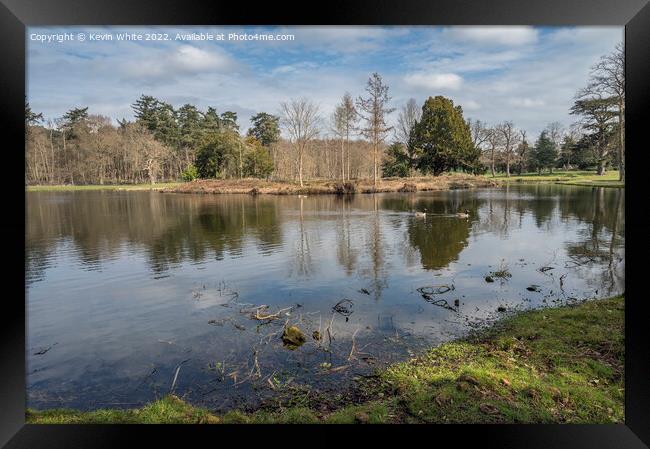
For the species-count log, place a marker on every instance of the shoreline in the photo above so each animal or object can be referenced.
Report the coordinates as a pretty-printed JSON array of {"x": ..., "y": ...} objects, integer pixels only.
[
  {"x": 549, "y": 365},
  {"x": 331, "y": 187},
  {"x": 328, "y": 187}
]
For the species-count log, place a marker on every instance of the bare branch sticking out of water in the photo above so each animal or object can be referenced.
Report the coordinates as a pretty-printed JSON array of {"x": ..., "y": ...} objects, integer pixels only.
[
  {"x": 45, "y": 350},
  {"x": 329, "y": 332},
  {"x": 354, "y": 334},
  {"x": 256, "y": 366},
  {"x": 178, "y": 369}
]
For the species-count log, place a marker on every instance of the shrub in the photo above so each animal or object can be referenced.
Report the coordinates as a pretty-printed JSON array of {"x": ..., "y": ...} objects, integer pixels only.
[
  {"x": 408, "y": 187},
  {"x": 344, "y": 188},
  {"x": 190, "y": 173}
]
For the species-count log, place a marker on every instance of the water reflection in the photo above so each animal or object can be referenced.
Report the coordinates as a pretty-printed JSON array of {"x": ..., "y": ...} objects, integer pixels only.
[{"x": 126, "y": 286}]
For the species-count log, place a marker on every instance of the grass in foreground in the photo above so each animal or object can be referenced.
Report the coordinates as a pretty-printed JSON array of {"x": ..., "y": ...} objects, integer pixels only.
[
  {"x": 562, "y": 365},
  {"x": 575, "y": 178}
]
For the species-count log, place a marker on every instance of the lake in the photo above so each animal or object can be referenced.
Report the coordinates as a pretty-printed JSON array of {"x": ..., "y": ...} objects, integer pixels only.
[{"x": 132, "y": 295}]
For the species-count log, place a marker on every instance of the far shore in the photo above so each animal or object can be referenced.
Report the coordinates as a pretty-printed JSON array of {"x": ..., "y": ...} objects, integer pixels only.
[
  {"x": 449, "y": 181},
  {"x": 315, "y": 187}
]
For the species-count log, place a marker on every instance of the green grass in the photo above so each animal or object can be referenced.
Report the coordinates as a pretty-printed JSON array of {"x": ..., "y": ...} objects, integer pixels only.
[
  {"x": 71, "y": 188},
  {"x": 576, "y": 178},
  {"x": 555, "y": 365}
]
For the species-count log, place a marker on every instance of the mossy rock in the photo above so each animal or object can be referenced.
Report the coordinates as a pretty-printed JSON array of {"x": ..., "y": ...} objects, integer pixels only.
[{"x": 293, "y": 337}]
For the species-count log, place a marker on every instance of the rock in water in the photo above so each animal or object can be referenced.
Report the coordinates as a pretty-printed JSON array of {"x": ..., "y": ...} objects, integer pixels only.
[
  {"x": 292, "y": 337},
  {"x": 489, "y": 279}
]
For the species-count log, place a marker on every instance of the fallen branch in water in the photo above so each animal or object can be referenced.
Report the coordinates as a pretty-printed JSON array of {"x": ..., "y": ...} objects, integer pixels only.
[
  {"x": 435, "y": 289},
  {"x": 272, "y": 316}
]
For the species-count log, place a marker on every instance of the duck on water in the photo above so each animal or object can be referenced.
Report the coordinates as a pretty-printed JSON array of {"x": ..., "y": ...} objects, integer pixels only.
[{"x": 423, "y": 214}]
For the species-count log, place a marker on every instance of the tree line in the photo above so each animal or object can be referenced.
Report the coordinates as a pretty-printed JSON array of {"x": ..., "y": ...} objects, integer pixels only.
[
  {"x": 596, "y": 141},
  {"x": 164, "y": 143}
]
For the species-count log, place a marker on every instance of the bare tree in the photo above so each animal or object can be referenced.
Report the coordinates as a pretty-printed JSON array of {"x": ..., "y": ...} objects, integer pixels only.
[
  {"x": 510, "y": 138},
  {"x": 301, "y": 119},
  {"x": 408, "y": 116},
  {"x": 571, "y": 137},
  {"x": 480, "y": 132},
  {"x": 374, "y": 110},
  {"x": 522, "y": 152},
  {"x": 494, "y": 140},
  {"x": 344, "y": 121},
  {"x": 555, "y": 133}
]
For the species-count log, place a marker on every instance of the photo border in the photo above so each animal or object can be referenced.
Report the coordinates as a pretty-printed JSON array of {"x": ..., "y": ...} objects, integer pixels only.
[{"x": 16, "y": 15}]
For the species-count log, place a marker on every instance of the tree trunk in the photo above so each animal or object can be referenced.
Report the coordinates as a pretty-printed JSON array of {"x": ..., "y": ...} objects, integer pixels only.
[
  {"x": 621, "y": 142},
  {"x": 492, "y": 165},
  {"x": 374, "y": 172},
  {"x": 347, "y": 146},
  {"x": 300, "y": 167},
  {"x": 601, "y": 167},
  {"x": 507, "y": 167},
  {"x": 342, "y": 163}
]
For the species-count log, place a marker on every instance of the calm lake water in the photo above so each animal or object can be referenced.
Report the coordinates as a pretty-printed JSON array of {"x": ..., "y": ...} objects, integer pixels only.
[{"x": 129, "y": 291}]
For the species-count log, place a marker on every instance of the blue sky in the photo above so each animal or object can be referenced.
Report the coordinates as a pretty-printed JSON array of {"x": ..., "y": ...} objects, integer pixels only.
[{"x": 525, "y": 74}]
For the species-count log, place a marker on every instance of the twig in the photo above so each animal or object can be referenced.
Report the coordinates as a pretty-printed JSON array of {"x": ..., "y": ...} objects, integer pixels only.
[
  {"x": 271, "y": 316},
  {"x": 171, "y": 390},
  {"x": 329, "y": 333},
  {"x": 353, "y": 345}
]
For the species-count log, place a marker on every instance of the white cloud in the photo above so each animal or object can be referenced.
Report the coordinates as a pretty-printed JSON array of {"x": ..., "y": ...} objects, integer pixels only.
[
  {"x": 192, "y": 59},
  {"x": 181, "y": 60},
  {"x": 434, "y": 80},
  {"x": 587, "y": 36},
  {"x": 471, "y": 105},
  {"x": 526, "y": 102},
  {"x": 493, "y": 35}
]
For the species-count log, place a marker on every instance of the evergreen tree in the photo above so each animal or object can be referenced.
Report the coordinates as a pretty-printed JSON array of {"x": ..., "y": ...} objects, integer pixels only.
[
  {"x": 545, "y": 153},
  {"x": 396, "y": 162},
  {"x": 32, "y": 118},
  {"x": 265, "y": 129},
  {"x": 442, "y": 138},
  {"x": 218, "y": 154}
]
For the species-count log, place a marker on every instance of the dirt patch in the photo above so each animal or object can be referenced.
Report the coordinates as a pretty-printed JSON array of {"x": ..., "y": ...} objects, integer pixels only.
[{"x": 260, "y": 186}]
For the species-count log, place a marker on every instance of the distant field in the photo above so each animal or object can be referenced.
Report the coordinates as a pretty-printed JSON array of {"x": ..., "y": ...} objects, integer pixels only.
[{"x": 578, "y": 178}]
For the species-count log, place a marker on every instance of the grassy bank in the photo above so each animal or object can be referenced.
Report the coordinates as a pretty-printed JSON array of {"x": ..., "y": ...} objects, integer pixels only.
[
  {"x": 576, "y": 178},
  {"x": 314, "y": 187},
  {"x": 561, "y": 365},
  {"x": 74, "y": 188}
]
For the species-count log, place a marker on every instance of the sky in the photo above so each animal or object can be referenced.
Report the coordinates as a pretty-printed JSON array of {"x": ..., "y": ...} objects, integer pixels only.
[{"x": 528, "y": 75}]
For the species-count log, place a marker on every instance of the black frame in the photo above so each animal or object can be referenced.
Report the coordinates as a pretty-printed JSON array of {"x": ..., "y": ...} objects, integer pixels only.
[{"x": 15, "y": 15}]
